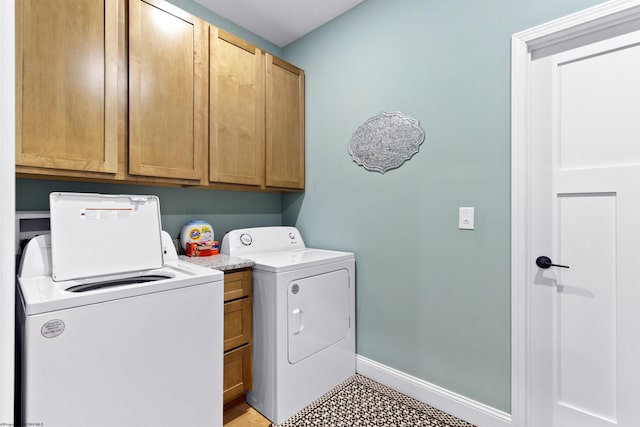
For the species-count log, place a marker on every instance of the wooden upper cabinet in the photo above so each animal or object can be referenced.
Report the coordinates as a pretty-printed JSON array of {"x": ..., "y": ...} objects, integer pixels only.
[
  {"x": 141, "y": 91},
  {"x": 284, "y": 124},
  {"x": 167, "y": 91},
  {"x": 67, "y": 96},
  {"x": 236, "y": 110}
]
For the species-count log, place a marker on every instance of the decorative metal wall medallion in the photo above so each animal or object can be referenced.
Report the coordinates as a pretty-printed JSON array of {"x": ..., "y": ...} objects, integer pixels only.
[{"x": 386, "y": 141}]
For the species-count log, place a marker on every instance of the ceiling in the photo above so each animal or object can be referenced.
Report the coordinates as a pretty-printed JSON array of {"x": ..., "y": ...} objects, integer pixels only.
[{"x": 279, "y": 21}]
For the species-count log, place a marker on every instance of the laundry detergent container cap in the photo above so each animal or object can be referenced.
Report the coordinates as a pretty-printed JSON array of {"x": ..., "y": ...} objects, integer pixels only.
[{"x": 102, "y": 234}]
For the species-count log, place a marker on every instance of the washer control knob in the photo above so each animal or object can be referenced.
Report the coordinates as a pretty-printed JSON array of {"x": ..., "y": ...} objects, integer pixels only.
[
  {"x": 292, "y": 236},
  {"x": 246, "y": 239}
]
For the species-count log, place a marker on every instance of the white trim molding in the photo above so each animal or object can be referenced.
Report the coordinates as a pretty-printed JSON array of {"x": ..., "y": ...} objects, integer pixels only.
[
  {"x": 7, "y": 209},
  {"x": 606, "y": 20},
  {"x": 453, "y": 403}
]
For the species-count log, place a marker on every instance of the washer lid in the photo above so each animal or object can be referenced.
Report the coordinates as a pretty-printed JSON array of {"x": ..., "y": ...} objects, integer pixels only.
[
  {"x": 98, "y": 235},
  {"x": 279, "y": 262}
]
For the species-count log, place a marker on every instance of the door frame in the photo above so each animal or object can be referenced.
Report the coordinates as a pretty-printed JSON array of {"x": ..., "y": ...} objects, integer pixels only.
[
  {"x": 7, "y": 208},
  {"x": 602, "y": 21}
]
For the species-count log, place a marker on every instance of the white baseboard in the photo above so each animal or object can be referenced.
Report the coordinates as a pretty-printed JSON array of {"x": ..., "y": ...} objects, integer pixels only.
[{"x": 459, "y": 406}]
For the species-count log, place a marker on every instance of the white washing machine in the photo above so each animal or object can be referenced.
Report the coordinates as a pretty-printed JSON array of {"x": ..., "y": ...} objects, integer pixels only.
[
  {"x": 303, "y": 318},
  {"x": 113, "y": 329}
]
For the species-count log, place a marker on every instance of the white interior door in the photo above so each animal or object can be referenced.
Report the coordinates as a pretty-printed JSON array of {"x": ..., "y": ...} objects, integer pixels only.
[{"x": 585, "y": 344}]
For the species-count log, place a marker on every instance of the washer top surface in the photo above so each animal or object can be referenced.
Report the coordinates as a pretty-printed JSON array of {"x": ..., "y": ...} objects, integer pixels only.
[{"x": 41, "y": 294}]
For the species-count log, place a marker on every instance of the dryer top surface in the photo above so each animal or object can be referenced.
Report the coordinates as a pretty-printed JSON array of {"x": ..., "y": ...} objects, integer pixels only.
[{"x": 280, "y": 262}]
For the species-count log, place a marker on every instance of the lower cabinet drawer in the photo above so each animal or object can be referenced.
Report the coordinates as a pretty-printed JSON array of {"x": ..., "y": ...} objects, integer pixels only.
[
  {"x": 237, "y": 284},
  {"x": 237, "y": 323},
  {"x": 237, "y": 373}
]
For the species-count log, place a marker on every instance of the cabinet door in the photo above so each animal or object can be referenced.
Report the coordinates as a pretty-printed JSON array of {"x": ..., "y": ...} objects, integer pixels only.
[
  {"x": 237, "y": 377},
  {"x": 167, "y": 90},
  {"x": 237, "y": 323},
  {"x": 236, "y": 110},
  {"x": 67, "y": 97},
  {"x": 285, "y": 125}
]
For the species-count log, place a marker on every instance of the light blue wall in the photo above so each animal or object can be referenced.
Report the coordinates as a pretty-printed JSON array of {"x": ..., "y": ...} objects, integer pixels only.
[
  {"x": 224, "y": 210},
  {"x": 432, "y": 301}
]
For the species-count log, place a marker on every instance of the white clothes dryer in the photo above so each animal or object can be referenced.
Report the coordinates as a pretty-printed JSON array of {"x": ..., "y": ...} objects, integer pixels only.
[
  {"x": 113, "y": 329},
  {"x": 303, "y": 318}
]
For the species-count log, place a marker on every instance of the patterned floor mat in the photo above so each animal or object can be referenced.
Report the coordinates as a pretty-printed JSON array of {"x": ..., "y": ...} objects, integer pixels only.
[{"x": 360, "y": 401}]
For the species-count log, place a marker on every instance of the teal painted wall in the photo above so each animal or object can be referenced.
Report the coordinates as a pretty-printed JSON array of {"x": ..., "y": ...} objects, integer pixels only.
[
  {"x": 224, "y": 210},
  {"x": 432, "y": 301}
]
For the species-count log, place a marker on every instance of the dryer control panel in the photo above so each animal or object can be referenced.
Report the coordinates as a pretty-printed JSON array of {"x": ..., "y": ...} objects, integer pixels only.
[{"x": 256, "y": 240}]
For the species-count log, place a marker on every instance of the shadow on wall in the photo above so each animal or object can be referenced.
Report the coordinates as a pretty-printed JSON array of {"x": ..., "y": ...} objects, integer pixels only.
[
  {"x": 224, "y": 210},
  {"x": 291, "y": 206}
]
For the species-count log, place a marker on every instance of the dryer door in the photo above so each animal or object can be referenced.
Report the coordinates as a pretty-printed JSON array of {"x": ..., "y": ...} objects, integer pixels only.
[{"x": 318, "y": 313}]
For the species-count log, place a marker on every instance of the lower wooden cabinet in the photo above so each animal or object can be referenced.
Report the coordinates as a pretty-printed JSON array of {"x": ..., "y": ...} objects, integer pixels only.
[
  {"x": 237, "y": 379},
  {"x": 237, "y": 373}
]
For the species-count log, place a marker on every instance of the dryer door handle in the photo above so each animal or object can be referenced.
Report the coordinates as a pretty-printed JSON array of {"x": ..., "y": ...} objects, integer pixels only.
[{"x": 296, "y": 319}]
